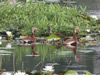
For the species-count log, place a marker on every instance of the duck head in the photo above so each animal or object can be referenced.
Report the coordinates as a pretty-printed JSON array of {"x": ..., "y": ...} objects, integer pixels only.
[
  {"x": 34, "y": 28},
  {"x": 77, "y": 28}
]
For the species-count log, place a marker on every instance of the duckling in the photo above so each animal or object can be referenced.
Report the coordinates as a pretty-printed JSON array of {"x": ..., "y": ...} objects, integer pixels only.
[{"x": 55, "y": 42}]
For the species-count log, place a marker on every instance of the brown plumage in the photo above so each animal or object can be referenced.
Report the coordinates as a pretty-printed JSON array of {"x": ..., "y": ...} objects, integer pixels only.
[
  {"x": 73, "y": 41},
  {"x": 30, "y": 39}
]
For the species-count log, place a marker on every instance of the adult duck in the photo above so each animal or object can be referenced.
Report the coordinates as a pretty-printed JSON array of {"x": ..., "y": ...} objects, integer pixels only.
[
  {"x": 27, "y": 39},
  {"x": 73, "y": 41}
]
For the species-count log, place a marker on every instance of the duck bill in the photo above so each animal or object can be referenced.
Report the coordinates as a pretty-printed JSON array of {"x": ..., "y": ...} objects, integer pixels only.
[
  {"x": 36, "y": 29},
  {"x": 78, "y": 28}
]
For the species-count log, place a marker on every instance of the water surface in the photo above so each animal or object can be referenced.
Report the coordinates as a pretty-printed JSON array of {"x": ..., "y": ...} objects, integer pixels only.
[
  {"x": 14, "y": 57},
  {"x": 93, "y": 6}
]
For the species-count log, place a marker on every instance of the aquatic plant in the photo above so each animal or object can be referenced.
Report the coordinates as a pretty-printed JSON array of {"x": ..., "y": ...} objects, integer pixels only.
[
  {"x": 20, "y": 73},
  {"x": 87, "y": 73},
  {"x": 48, "y": 68},
  {"x": 61, "y": 18},
  {"x": 72, "y": 72}
]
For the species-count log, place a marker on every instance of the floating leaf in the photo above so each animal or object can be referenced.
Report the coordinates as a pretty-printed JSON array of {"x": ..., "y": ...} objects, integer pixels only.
[
  {"x": 53, "y": 37},
  {"x": 34, "y": 71},
  {"x": 87, "y": 73},
  {"x": 71, "y": 72}
]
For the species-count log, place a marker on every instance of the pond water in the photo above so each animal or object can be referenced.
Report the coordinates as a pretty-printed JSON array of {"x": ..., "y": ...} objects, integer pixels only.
[
  {"x": 35, "y": 57},
  {"x": 87, "y": 58},
  {"x": 93, "y": 6}
]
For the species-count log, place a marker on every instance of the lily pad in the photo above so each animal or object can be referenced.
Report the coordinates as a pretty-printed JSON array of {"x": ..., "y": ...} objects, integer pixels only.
[
  {"x": 53, "y": 37},
  {"x": 71, "y": 72},
  {"x": 87, "y": 73}
]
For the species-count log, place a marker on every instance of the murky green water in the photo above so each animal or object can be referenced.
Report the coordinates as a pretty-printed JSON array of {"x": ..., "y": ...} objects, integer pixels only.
[{"x": 35, "y": 57}]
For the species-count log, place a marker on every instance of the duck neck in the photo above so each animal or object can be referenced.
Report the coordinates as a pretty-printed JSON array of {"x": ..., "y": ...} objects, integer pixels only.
[
  {"x": 9, "y": 38},
  {"x": 74, "y": 51},
  {"x": 33, "y": 47},
  {"x": 33, "y": 37},
  {"x": 74, "y": 35}
]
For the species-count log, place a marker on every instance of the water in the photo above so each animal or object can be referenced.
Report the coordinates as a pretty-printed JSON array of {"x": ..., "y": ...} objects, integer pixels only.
[
  {"x": 14, "y": 57},
  {"x": 35, "y": 57},
  {"x": 93, "y": 6}
]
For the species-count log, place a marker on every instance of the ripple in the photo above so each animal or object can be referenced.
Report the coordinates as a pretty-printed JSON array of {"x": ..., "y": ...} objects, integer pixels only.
[
  {"x": 86, "y": 51},
  {"x": 5, "y": 54},
  {"x": 32, "y": 55},
  {"x": 76, "y": 66},
  {"x": 52, "y": 64},
  {"x": 7, "y": 48},
  {"x": 3, "y": 51},
  {"x": 64, "y": 52}
]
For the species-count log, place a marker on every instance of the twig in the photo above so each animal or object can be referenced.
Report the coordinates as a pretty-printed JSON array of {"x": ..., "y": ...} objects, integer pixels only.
[
  {"x": 37, "y": 65},
  {"x": 68, "y": 64}
]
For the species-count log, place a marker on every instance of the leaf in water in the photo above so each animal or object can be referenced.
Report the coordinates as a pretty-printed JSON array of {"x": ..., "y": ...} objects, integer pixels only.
[
  {"x": 71, "y": 72},
  {"x": 87, "y": 73},
  {"x": 53, "y": 37},
  {"x": 34, "y": 71}
]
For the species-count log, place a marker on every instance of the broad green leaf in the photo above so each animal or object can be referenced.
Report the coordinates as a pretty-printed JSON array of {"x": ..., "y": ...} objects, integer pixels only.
[
  {"x": 53, "y": 37},
  {"x": 71, "y": 72},
  {"x": 87, "y": 73}
]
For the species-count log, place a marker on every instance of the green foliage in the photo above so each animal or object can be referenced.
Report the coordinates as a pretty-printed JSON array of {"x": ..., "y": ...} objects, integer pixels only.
[
  {"x": 71, "y": 72},
  {"x": 83, "y": 9},
  {"x": 40, "y": 14}
]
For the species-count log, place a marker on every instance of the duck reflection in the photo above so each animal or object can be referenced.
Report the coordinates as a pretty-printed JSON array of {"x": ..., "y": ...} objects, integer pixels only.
[
  {"x": 0, "y": 42},
  {"x": 9, "y": 45},
  {"x": 34, "y": 52},
  {"x": 74, "y": 49},
  {"x": 33, "y": 46}
]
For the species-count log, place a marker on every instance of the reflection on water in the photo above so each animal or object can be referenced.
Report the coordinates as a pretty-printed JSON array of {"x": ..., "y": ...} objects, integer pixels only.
[
  {"x": 38, "y": 56},
  {"x": 93, "y": 6},
  {"x": 54, "y": 1},
  {"x": 0, "y": 43},
  {"x": 90, "y": 4}
]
